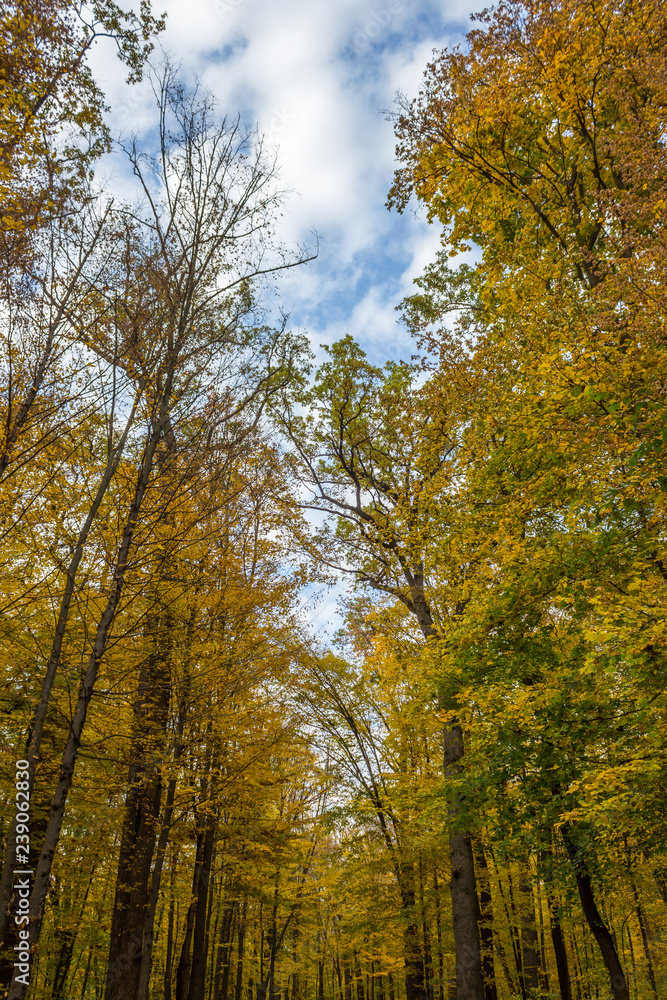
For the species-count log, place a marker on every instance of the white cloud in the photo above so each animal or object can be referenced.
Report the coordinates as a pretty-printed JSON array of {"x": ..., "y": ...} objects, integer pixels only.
[{"x": 315, "y": 76}]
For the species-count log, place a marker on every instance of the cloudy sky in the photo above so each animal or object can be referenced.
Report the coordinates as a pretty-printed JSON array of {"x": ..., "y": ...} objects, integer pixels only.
[{"x": 315, "y": 75}]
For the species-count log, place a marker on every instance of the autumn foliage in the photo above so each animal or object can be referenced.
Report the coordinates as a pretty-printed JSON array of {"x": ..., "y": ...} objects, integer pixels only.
[{"x": 464, "y": 798}]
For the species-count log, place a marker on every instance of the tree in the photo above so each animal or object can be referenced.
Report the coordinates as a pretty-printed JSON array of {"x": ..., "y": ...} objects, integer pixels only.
[
  {"x": 382, "y": 463},
  {"x": 52, "y": 124},
  {"x": 200, "y": 251},
  {"x": 542, "y": 145}
]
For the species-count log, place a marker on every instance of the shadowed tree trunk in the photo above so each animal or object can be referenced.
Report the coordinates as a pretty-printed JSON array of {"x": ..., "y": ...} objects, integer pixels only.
[
  {"x": 426, "y": 938},
  {"x": 645, "y": 940},
  {"x": 170, "y": 946},
  {"x": 221, "y": 985},
  {"x": 463, "y": 886},
  {"x": 142, "y": 810},
  {"x": 66, "y": 941},
  {"x": 415, "y": 988},
  {"x": 197, "y": 983},
  {"x": 183, "y": 968},
  {"x": 361, "y": 995},
  {"x": 529, "y": 940},
  {"x": 438, "y": 928},
  {"x": 238, "y": 991},
  {"x": 156, "y": 875},
  {"x": 641, "y": 920},
  {"x": 560, "y": 952},
  {"x": 296, "y": 993},
  {"x": 558, "y": 940},
  {"x": 486, "y": 923},
  {"x": 599, "y": 929},
  {"x": 348, "y": 982}
]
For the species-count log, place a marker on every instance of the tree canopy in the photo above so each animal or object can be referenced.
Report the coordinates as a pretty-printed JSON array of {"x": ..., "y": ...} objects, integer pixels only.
[{"x": 461, "y": 796}]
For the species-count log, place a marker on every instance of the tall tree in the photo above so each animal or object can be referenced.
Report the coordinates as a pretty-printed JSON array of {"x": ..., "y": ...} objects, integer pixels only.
[
  {"x": 206, "y": 346},
  {"x": 521, "y": 146},
  {"x": 376, "y": 457}
]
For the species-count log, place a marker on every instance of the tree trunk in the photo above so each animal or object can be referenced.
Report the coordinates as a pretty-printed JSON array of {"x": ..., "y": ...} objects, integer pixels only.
[
  {"x": 183, "y": 969},
  {"x": 465, "y": 905},
  {"x": 438, "y": 927},
  {"x": 224, "y": 963},
  {"x": 38, "y": 822},
  {"x": 463, "y": 888},
  {"x": 544, "y": 965},
  {"x": 274, "y": 943},
  {"x": 426, "y": 937},
  {"x": 414, "y": 960},
  {"x": 348, "y": 982},
  {"x": 211, "y": 936},
  {"x": 197, "y": 984},
  {"x": 599, "y": 929},
  {"x": 645, "y": 942},
  {"x": 296, "y": 993},
  {"x": 142, "y": 809},
  {"x": 359, "y": 979},
  {"x": 67, "y": 940},
  {"x": 515, "y": 984},
  {"x": 156, "y": 879},
  {"x": 86, "y": 974},
  {"x": 643, "y": 931},
  {"x": 170, "y": 948},
  {"x": 486, "y": 924},
  {"x": 65, "y": 949},
  {"x": 238, "y": 991},
  {"x": 339, "y": 978},
  {"x": 560, "y": 951},
  {"x": 529, "y": 940},
  {"x": 165, "y": 828}
]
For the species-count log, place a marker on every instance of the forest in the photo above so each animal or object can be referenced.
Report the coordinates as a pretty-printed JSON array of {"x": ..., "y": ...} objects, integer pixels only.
[{"x": 462, "y": 795}]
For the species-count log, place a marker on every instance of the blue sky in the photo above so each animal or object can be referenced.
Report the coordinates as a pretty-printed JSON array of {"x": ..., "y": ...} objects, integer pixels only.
[{"x": 315, "y": 77}]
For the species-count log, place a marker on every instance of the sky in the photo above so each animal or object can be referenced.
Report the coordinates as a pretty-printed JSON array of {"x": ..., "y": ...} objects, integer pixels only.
[{"x": 317, "y": 77}]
